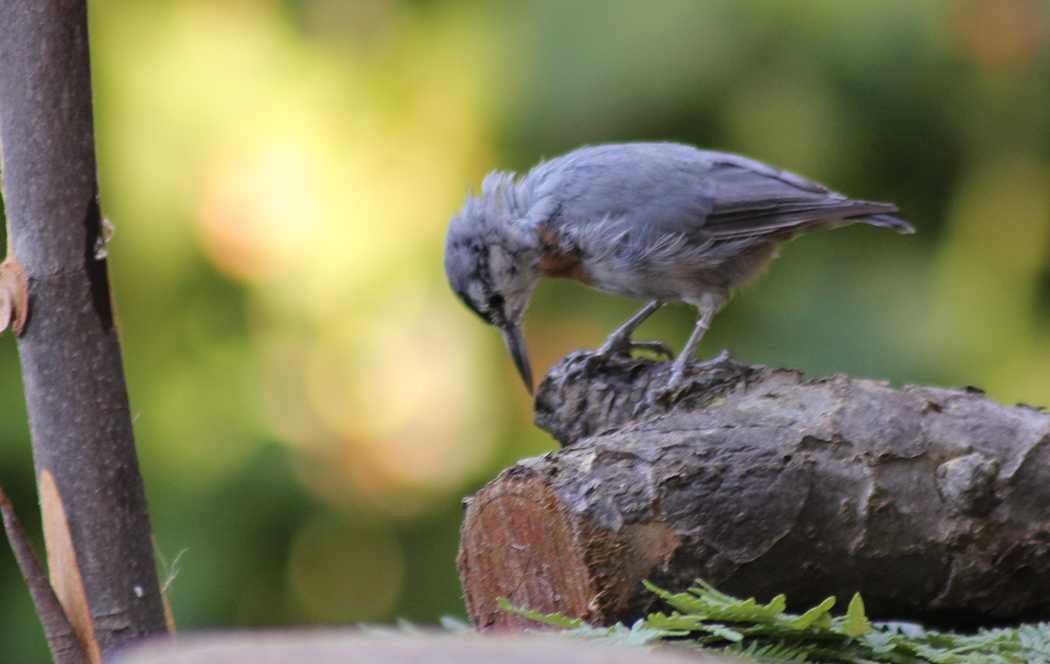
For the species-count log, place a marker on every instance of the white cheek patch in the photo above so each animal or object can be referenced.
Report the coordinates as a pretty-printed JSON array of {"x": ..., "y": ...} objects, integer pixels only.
[
  {"x": 499, "y": 262},
  {"x": 476, "y": 293}
]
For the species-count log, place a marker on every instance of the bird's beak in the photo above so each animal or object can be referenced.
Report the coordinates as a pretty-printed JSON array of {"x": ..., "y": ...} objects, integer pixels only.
[{"x": 514, "y": 337}]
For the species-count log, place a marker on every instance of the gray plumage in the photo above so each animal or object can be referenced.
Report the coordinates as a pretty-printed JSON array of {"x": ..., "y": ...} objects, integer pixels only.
[{"x": 655, "y": 221}]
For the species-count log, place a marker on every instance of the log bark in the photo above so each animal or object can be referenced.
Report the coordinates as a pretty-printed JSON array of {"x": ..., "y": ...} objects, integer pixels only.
[
  {"x": 69, "y": 348},
  {"x": 933, "y": 503}
]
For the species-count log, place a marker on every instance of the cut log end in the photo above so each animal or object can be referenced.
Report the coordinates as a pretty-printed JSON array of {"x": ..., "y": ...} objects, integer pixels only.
[
  {"x": 515, "y": 532},
  {"x": 523, "y": 543}
]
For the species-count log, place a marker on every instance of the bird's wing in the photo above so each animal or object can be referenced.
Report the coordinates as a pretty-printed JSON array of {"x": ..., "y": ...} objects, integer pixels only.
[
  {"x": 751, "y": 198},
  {"x": 646, "y": 189},
  {"x": 657, "y": 189}
]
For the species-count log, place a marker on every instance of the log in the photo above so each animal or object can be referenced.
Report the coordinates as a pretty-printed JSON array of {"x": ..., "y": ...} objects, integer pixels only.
[{"x": 933, "y": 503}]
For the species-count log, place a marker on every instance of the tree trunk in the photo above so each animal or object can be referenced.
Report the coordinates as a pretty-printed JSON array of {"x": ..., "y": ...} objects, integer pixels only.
[
  {"x": 69, "y": 350},
  {"x": 933, "y": 503}
]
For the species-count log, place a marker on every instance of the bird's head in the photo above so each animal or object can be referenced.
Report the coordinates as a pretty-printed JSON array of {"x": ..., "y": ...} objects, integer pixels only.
[{"x": 491, "y": 266}]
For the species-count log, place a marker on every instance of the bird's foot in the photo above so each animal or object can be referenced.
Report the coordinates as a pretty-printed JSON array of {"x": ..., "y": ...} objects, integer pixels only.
[
  {"x": 666, "y": 396},
  {"x": 676, "y": 385},
  {"x": 625, "y": 345}
]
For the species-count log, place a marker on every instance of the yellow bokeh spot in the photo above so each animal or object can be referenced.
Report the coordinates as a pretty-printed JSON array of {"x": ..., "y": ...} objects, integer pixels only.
[
  {"x": 259, "y": 206},
  {"x": 401, "y": 390}
]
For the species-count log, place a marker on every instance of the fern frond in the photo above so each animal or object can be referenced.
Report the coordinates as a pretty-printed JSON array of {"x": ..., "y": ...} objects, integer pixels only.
[{"x": 708, "y": 618}]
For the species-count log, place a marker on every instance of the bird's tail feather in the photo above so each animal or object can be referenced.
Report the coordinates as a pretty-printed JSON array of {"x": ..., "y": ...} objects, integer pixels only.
[{"x": 889, "y": 221}]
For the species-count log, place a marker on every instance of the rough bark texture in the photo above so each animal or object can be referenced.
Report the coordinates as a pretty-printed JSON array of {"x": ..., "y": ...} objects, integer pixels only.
[
  {"x": 69, "y": 350},
  {"x": 933, "y": 503}
]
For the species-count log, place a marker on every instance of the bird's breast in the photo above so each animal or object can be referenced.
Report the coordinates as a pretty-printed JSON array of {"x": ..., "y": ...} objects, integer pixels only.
[{"x": 557, "y": 260}]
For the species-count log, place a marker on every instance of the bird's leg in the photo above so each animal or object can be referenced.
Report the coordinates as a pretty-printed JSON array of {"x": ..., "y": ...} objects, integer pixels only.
[
  {"x": 707, "y": 310},
  {"x": 620, "y": 340}
]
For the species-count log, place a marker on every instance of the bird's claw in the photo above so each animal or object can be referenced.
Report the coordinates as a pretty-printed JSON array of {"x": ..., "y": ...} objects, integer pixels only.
[
  {"x": 666, "y": 396},
  {"x": 624, "y": 346},
  {"x": 720, "y": 358},
  {"x": 676, "y": 385},
  {"x": 654, "y": 346},
  {"x": 614, "y": 345}
]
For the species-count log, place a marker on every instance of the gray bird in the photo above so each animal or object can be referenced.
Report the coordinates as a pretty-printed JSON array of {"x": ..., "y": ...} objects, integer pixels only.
[{"x": 653, "y": 221}]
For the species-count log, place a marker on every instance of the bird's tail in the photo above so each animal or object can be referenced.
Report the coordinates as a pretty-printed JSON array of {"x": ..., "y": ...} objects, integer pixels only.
[{"x": 889, "y": 221}]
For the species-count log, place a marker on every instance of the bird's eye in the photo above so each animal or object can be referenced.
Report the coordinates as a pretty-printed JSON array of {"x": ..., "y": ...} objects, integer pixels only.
[{"x": 495, "y": 302}]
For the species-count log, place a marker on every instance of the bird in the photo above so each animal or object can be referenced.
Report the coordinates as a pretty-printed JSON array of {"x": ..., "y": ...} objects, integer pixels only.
[{"x": 660, "y": 222}]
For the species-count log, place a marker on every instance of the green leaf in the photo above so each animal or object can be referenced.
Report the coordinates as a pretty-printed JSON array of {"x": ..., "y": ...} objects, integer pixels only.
[
  {"x": 817, "y": 616},
  {"x": 856, "y": 623},
  {"x": 776, "y": 606},
  {"x": 674, "y": 622},
  {"x": 685, "y": 602},
  {"x": 712, "y": 619},
  {"x": 556, "y": 619},
  {"x": 722, "y": 631}
]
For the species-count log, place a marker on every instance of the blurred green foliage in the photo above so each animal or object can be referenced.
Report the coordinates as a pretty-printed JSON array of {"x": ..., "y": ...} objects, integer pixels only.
[{"x": 312, "y": 403}]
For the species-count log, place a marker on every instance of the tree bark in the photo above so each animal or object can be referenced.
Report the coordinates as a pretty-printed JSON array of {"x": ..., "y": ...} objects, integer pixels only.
[
  {"x": 69, "y": 350},
  {"x": 933, "y": 503}
]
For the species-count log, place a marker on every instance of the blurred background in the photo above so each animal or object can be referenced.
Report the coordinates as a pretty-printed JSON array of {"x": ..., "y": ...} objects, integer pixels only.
[{"x": 311, "y": 403}]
